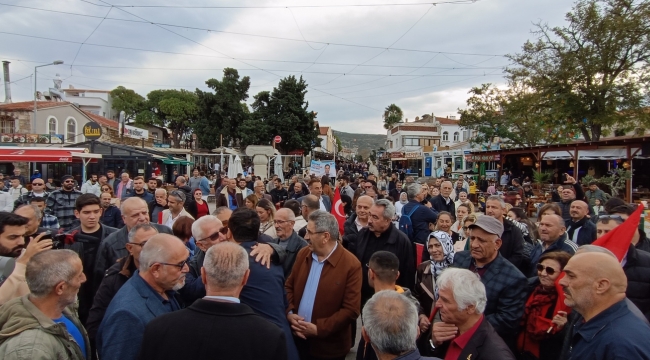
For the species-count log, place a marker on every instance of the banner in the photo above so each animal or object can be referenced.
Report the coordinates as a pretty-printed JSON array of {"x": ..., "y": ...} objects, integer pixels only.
[{"x": 320, "y": 168}]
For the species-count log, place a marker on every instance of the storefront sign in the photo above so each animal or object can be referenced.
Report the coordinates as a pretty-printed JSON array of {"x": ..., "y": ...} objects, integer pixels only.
[
  {"x": 134, "y": 132},
  {"x": 412, "y": 155},
  {"x": 92, "y": 131},
  {"x": 164, "y": 146},
  {"x": 482, "y": 158},
  {"x": 396, "y": 155},
  {"x": 32, "y": 138}
]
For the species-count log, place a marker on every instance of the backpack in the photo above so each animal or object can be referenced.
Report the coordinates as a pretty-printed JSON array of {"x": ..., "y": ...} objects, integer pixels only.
[{"x": 405, "y": 224}]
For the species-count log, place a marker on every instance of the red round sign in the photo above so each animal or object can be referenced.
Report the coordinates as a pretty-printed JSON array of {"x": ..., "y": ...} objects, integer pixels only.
[{"x": 277, "y": 139}]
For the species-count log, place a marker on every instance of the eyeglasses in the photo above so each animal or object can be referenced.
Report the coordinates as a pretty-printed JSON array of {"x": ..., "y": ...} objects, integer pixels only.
[
  {"x": 215, "y": 236},
  {"x": 138, "y": 244},
  {"x": 38, "y": 184},
  {"x": 618, "y": 218},
  {"x": 310, "y": 233},
  {"x": 549, "y": 270},
  {"x": 280, "y": 222},
  {"x": 180, "y": 265},
  {"x": 69, "y": 181},
  {"x": 465, "y": 228},
  {"x": 368, "y": 187}
]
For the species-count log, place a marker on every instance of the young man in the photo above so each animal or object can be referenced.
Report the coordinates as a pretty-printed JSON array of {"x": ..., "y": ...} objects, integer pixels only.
[
  {"x": 138, "y": 190},
  {"x": 85, "y": 240},
  {"x": 111, "y": 215},
  {"x": 16, "y": 190},
  {"x": 91, "y": 186},
  {"x": 60, "y": 203}
]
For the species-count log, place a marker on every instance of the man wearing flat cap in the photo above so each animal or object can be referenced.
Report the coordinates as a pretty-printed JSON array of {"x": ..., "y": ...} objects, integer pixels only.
[
  {"x": 61, "y": 202},
  {"x": 505, "y": 285}
]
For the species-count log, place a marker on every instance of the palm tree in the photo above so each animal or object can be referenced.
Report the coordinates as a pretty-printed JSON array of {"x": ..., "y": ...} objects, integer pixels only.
[{"x": 392, "y": 115}]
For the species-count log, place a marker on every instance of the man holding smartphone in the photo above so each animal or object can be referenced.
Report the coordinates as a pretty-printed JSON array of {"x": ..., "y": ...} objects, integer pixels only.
[{"x": 12, "y": 245}]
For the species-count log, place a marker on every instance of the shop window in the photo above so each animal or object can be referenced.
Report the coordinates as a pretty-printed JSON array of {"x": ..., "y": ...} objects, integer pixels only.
[
  {"x": 7, "y": 125},
  {"x": 445, "y": 136},
  {"x": 71, "y": 130},
  {"x": 411, "y": 142},
  {"x": 52, "y": 125},
  {"x": 456, "y": 136}
]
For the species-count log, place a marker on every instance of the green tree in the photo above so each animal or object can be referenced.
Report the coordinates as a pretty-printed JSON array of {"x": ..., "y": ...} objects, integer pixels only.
[
  {"x": 129, "y": 101},
  {"x": 284, "y": 112},
  {"x": 392, "y": 115},
  {"x": 339, "y": 146},
  {"x": 517, "y": 116},
  {"x": 174, "y": 109},
  {"x": 222, "y": 111},
  {"x": 594, "y": 72}
]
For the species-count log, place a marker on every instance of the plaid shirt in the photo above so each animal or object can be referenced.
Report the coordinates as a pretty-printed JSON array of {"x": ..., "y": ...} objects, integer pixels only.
[
  {"x": 49, "y": 222},
  {"x": 27, "y": 198},
  {"x": 61, "y": 205}
]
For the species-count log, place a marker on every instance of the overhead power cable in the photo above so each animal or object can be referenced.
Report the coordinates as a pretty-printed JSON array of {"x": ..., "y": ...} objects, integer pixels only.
[
  {"x": 257, "y": 35},
  {"x": 451, "y": 2}
]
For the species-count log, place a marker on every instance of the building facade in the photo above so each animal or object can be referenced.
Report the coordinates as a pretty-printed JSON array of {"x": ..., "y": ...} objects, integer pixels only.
[{"x": 98, "y": 102}]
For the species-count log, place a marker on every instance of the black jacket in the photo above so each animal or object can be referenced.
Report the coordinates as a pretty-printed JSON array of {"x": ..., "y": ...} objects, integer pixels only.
[
  {"x": 235, "y": 332},
  {"x": 350, "y": 232},
  {"x": 438, "y": 203},
  {"x": 485, "y": 344},
  {"x": 420, "y": 219},
  {"x": 586, "y": 232},
  {"x": 111, "y": 216},
  {"x": 115, "y": 277},
  {"x": 398, "y": 244},
  {"x": 512, "y": 245},
  {"x": 565, "y": 206},
  {"x": 295, "y": 243},
  {"x": 637, "y": 271}
]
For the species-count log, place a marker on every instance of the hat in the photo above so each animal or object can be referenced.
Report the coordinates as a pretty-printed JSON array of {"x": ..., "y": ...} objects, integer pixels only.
[
  {"x": 66, "y": 177},
  {"x": 488, "y": 224}
]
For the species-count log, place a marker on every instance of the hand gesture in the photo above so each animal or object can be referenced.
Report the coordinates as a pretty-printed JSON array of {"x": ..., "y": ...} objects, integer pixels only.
[
  {"x": 570, "y": 179},
  {"x": 443, "y": 332},
  {"x": 34, "y": 247},
  {"x": 262, "y": 254},
  {"x": 560, "y": 319}
]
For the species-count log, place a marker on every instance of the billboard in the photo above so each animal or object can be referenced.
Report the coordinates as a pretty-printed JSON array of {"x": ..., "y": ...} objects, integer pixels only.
[
  {"x": 31, "y": 138},
  {"x": 320, "y": 168}
]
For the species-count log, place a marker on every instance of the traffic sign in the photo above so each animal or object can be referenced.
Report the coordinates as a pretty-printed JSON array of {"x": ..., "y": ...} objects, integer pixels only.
[{"x": 277, "y": 139}]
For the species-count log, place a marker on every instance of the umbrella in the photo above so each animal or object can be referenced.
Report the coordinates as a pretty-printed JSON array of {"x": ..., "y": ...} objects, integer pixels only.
[
  {"x": 237, "y": 169},
  {"x": 231, "y": 168},
  {"x": 277, "y": 169}
]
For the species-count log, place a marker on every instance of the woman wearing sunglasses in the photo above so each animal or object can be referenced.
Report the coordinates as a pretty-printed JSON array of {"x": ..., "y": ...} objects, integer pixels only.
[{"x": 542, "y": 333}]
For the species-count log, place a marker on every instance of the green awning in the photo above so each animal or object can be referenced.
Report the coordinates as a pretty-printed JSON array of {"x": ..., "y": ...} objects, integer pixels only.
[{"x": 176, "y": 162}]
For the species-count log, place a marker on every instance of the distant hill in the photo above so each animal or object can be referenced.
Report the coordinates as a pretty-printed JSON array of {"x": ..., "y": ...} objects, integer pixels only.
[{"x": 364, "y": 142}]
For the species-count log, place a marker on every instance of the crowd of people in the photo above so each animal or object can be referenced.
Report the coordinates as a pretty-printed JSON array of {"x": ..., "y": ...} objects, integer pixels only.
[{"x": 126, "y": 268}]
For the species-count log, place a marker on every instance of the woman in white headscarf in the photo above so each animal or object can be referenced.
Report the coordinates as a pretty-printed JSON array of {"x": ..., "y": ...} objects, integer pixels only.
[
  {"x": 403, "y": 200},
  {"x": 441, "y": 250}
]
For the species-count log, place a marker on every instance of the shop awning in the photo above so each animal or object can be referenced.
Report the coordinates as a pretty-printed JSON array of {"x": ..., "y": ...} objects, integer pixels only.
[
  {"x": 594, "y": 154},
  {"x": 176, "y": 162},
  {"x": 38, "y": 155}
]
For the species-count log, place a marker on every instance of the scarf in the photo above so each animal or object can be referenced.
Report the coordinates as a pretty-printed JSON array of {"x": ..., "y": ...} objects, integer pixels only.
[
  {"x": 536, "y": 308},
  {"x": 448, "y": 253},
  {"x": 575, "y": 225}
]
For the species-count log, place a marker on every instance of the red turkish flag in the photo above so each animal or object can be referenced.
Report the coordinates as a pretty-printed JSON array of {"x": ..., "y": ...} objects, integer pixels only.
[
  {"x": 618, "y": 240},
  {"x": 337, "y": 209}
]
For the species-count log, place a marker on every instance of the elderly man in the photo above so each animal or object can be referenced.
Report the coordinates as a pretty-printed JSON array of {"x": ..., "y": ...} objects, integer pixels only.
[
  {"x": 512, "y": 240},
  {"x": 444, "y": 202},
  {"x": 421, "y": 216},
  {"x": 357, "y": 221},
  {"x": 381, "y": 234},
  {"x": 308, "y": 205},
  {"x": 47, "y": 221},
  {"x": 124, "y": 187},
  {"x": 287, "y": 238},
  {"x": 38, "y": 190},
  {"x": 111, "y": 215},
  {"x": 504, "y": 283},
  {"x": 230, "y": 196},
  {"x": 390, "y": 326},
  {"x": 260, "y": 192},
  {"x": 553, "y": 237},
  {"x": 225, "y": 272},
  {"x": 175, "y": 203},
  {"x": 134, "y": 212},
  {"x": 594, "y": 286},
  {"x": 464, "y": 332},
  {"x": 581, "y": 231},
  {"x": 147, "y": 294},
  {"x": 139, "y": 190},
  {"x": 117, "y": 275},
  {"x": 60, "y": 203},
  {"x": 636, "y": 266},
  {"x": 328, "y": 275},
  {"x": 33, "y": 214},
  {"x": 316, "y": 189},
  {"x": 12, "y": 245},
  {"x": 158, "y": 204},
  {"x": 264, "y": 292},
  {"x": 40, "y": 325}
]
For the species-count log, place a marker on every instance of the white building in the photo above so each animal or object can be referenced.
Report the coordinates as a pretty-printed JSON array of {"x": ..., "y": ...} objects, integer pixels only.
[
  {"x": 98, "y": 102},
  {"x": 328, "y": 141},
  {"x": 428, "y": 146}
]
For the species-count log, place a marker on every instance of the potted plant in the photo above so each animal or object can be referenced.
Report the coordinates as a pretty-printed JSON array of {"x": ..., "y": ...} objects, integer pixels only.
[{"x": 541, "y": 177}]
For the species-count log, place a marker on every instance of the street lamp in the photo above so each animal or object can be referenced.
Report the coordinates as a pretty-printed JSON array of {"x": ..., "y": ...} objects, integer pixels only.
[{"x": 56, "y": 62}]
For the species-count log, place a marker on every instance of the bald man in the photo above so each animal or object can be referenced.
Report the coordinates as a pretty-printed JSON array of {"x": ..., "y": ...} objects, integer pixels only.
[
  {"x": 287, "y": 238},
  {"x": 581, "y": 231},
  {"x": 594, "y": 287},
  {"x": 357, "y": 221},
  {"x": 553, "y": 237}
]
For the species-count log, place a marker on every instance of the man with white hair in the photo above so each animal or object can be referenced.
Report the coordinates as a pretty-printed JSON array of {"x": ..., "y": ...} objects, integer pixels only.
[
  {"x": 40, "y": 325},
  {"x": 149, "y": 293},
  {"x": 390, "y": 326},
  {"x": 225, "y": 272},
  {"x": 287, "y": 238},
  {"x": 464, "y": 332}
]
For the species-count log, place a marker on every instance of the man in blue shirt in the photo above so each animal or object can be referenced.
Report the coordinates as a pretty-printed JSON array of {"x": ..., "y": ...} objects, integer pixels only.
[{"x": 594, "y": 287}]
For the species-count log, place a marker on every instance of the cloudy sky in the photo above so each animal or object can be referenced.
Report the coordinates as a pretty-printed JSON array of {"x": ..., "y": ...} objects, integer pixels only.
[{"x": 356, "y": 59}]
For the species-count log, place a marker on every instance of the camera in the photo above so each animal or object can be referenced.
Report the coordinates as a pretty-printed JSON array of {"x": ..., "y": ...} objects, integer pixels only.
[{"x": 58, "y": 240}]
